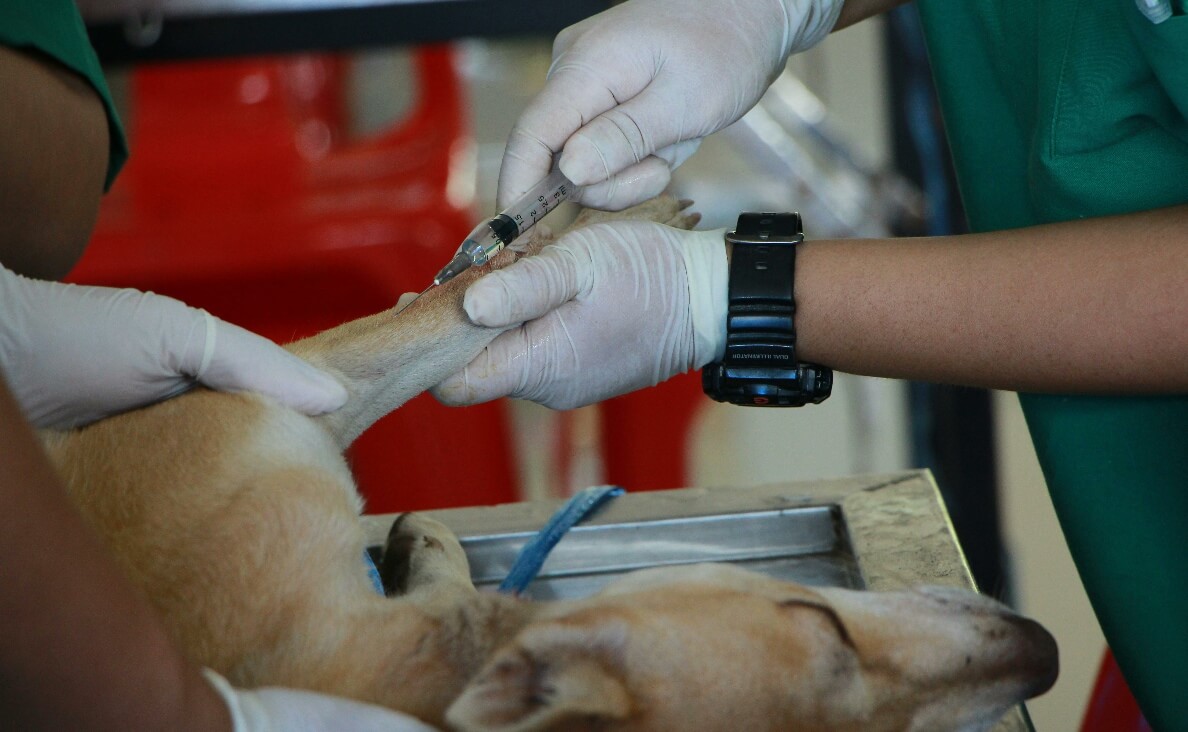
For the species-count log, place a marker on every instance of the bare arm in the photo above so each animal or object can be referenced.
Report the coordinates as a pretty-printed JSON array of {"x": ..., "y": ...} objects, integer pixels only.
[
  {"x": 1096, "y": 305},
  {"x": 78, "y": 648},
  {"x": 53, "y": 159}
]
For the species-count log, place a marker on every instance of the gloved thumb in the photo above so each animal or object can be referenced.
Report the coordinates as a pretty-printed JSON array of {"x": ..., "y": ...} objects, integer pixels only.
[
  {"x": 227, "y": 357},
  {"x": 501, "y": 369},
  {"x": 529, "y": 288}
]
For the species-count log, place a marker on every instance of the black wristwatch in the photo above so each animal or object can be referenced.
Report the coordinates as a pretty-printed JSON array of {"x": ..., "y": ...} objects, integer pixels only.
[{"x": 760, "y": 368}]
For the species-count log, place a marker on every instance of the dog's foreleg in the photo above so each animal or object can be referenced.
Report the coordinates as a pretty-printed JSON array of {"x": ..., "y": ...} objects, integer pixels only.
[{"x": 386, "y": 359}]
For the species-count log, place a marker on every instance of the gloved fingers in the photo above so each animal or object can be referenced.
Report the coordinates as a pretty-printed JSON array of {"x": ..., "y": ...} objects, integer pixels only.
[
  {"x": 608, "y": 310},
  {"x": 678, "y": 152},
  {"x": 530, "y": 288},
  {"x": 576, "y": 91},
  {"x": 498, "y": 371},
  {"x": 239, "y": 360},
  {"x": 81, "y": 353},
  {"x": 626, "y": 155},
  {"x": 538, "y": 361},
  {"x": 626, "y": 134},
  {"x": 526, "y": 161},
  {"x": 543, "y": 128},
  {"x": 640, "y": 182},
  {"x": 644, "y": 180}
]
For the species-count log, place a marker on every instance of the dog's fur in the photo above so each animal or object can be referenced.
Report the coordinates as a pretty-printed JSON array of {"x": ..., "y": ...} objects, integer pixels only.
[{"x": 238, "y": 518}]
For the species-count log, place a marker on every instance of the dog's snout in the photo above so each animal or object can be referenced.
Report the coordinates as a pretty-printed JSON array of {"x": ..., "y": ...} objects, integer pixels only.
[{"x": 1037, "y": 656}]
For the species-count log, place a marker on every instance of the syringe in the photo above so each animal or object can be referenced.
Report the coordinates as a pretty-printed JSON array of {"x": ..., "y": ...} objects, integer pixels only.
[{"x": 491, "y": 236}]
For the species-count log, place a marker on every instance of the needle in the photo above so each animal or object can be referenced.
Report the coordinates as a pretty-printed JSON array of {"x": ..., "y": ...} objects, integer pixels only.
[
  {"x": 418, "y": 297},
  {"x": 491, "y": 236}
]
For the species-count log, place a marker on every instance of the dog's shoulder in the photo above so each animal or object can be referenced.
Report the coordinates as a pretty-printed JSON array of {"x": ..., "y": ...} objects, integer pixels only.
[{"x": 201, "y": 438}]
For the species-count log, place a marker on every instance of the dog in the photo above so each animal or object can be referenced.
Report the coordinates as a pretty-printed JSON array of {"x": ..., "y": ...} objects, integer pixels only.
[{"x": 238, "y": 518}]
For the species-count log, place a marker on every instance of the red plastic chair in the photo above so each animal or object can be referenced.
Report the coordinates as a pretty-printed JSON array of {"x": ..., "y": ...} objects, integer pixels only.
[
  {"x": 243, "y": 196},
  {"x": 1112, "y": 707}
]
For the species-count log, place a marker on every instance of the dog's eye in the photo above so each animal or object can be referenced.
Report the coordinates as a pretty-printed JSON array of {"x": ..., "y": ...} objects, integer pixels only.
[{"x": 827, "y": 611}]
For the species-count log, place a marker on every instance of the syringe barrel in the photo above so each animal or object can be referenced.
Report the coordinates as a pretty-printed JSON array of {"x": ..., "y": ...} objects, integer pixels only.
[
  {"x": 482, "y": 244},
  {"x": 539, "y": 200},
  {"x": 494, "y": 234}
]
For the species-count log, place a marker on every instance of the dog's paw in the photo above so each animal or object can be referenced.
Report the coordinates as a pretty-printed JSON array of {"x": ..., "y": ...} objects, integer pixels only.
[
  {"x": 421, "y": 551},
  {"x": 663, "y": 209}
]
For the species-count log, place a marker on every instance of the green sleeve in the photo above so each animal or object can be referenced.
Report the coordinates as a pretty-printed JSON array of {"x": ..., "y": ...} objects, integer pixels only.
[
  {"x": 1059, "y": 110},
  {"x": 54, "y": 28}
]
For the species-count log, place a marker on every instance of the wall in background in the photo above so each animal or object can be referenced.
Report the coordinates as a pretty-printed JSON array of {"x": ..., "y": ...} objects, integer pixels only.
[{"x": 1046, "y": 583}]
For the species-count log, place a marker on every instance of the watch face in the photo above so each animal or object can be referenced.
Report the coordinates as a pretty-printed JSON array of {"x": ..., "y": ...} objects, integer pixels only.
[{"x": 806, "y": 384}]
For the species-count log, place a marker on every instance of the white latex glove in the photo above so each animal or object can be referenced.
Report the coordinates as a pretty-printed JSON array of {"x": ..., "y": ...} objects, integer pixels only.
[
  {"x": 632, "y": 90},
  {"x": 611, "y": 307},
  {"x": 73, "y": 354},
  {"x": 289, "y": 710}
]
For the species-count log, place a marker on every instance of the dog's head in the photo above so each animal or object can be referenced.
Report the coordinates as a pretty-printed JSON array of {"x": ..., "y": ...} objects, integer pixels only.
[{"x": 713, "y": 647}]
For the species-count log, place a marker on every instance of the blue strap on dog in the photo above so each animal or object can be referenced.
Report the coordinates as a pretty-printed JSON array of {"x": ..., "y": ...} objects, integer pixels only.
[
  {"x": 533, "y": 554},
  {"x": 373, "y": 573}
]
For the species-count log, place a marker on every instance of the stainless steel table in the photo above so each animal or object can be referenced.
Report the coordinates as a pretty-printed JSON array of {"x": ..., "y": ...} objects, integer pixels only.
[{"x": 876, "y": 532}]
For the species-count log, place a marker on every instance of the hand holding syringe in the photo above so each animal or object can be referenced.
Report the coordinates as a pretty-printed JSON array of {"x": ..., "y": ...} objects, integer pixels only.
[{"x": 491, "y": 236}]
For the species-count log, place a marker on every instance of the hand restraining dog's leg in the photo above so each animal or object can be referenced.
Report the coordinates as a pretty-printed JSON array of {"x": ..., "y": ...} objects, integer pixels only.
[{"x": 386, "y": 359}]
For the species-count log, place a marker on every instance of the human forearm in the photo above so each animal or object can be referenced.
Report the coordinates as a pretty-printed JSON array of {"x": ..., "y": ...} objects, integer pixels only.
[
  {"x": 1088, "y": 306},
  {"x": 53, "y": 158},
  {"x": 79, "y": 649},
  {"x": 1091, "y": 306}
]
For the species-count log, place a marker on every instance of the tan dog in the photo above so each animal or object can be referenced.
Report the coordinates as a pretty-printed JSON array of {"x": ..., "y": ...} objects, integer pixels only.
[{"x": 239, "y": 519}]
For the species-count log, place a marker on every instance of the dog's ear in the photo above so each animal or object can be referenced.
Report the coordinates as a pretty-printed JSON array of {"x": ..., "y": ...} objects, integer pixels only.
[{"x": 557, "y": 676}]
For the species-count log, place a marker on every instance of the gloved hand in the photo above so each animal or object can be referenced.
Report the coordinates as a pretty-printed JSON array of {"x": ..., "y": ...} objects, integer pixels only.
[
  {"x": 73, "y": 354},
  {"x": 289, "y": 710},
  {"x": 632, "y": 90},
  {"x": 612, "y": 307}
]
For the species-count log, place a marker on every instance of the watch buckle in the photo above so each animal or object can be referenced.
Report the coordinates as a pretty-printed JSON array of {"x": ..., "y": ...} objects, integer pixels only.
[{"x": 763, "y": 237}]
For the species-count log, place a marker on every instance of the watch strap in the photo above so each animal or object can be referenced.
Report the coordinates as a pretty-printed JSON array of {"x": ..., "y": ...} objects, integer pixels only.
[
  {"x": 759, "y": 366},
  {"x": 760, "y": 327}
]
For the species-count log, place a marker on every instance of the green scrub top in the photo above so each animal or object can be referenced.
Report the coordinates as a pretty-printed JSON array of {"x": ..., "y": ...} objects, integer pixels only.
[
  {"x": 55, "y": 28},
  {"x": 1066, "y": 109}
]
